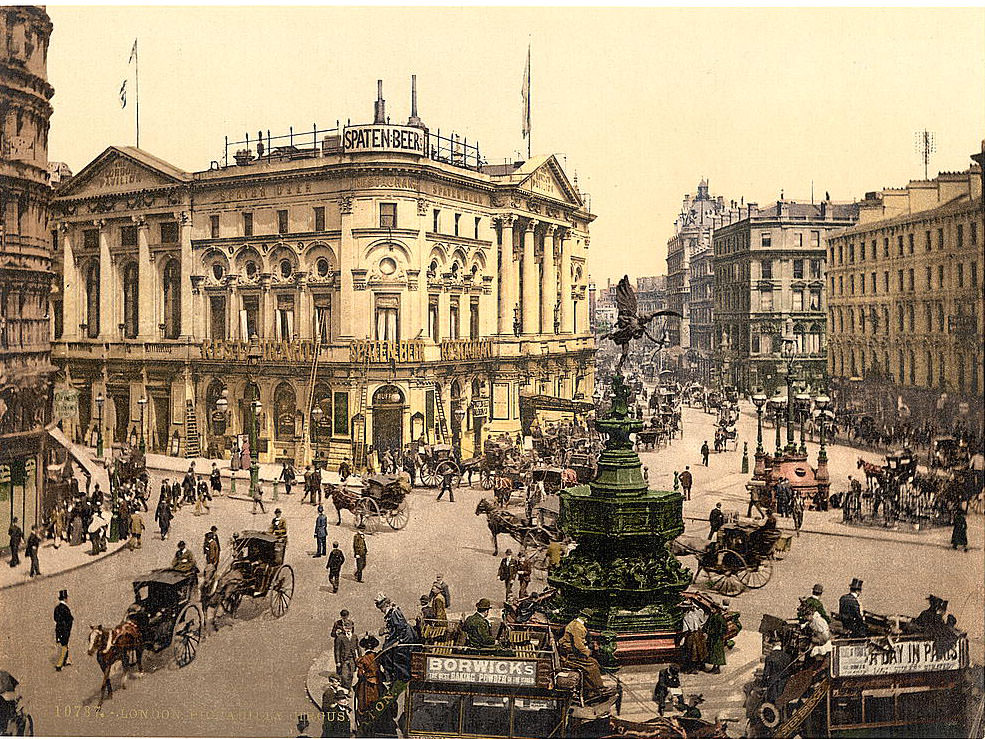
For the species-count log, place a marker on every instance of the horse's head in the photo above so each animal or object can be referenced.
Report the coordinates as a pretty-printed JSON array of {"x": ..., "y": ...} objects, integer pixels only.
[
  {"x": 97, "y": 638},
  {"x": 861, "y": 463},
  {"x": 484, "y": 506}
]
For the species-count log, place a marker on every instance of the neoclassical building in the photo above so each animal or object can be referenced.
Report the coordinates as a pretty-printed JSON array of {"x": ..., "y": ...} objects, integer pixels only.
[
  {"x": 25, "y": 263},
  {"x": 382, "y": 274},
  {"x": 905, "y": 297}
]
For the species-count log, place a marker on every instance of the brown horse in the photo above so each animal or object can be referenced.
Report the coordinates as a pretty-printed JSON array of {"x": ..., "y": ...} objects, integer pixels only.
[
  {"x": 499, "y": 520},
  {"x": 111, "y": 646},
  {"x": 873, "y": 473}
]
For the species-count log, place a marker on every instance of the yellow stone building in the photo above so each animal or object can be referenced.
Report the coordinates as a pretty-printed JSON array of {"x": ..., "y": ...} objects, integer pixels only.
[
  {"x": 382, "y": 274},
  {"x": 905, "y": 296}
]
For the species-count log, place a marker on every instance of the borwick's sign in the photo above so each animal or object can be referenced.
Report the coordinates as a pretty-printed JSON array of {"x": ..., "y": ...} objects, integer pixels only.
[
  {"x": 517, "y": 673},
  {"x": 852, "y": 660},
  {"x": 384, "y": 138}
]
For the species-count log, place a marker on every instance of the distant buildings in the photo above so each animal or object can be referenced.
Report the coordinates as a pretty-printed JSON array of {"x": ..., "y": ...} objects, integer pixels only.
[
  {"x": 769, "y": 285},
  {"x": 650, "y": 297},
  {"x": 905, "y": 297}
]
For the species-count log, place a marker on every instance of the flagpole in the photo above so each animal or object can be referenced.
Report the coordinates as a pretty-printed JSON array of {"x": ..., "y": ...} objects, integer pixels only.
[
  {"x": 136, "y": 65},
  {"x": 529, "y": 90}
]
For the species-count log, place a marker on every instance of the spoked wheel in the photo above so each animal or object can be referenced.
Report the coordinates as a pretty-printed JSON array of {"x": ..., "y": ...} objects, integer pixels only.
[
  {"x": 367, "y": 513},
  {"x": 538, "y": 557},
  {"x": 725, "y": 578},
  {"x": 232, "y": 596},
  {"x": 487, "y": 479},
  {"x": 449, "y": 467},
  {"x": 536, "y": 539},
  {"x": 281, "y": 591},
  {"x": 430, "y": 477},
  {"x": 186, "y": 635},
  {"x": 757, "y": 577},
  {"x": 398, "y": 517}
]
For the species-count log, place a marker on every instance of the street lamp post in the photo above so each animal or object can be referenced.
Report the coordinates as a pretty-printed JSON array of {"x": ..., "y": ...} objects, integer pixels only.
[
  {"x": 759, "y": 400},
  {"x": 222, "y": 406},
  {"x": 253, "y": 357},
  {"x": 316, "y": 416},
  {"x": 143, "y": 444},
  {"x": 99, "y": 425},
  {"x": 803, "y": 406},
  {"x": 787, "y": 350},
  {"x": 822, "y": 402},
  {"x": 777, "y": 419}
]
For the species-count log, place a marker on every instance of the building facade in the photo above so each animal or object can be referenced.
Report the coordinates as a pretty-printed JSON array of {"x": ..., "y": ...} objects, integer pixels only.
[
  {"x": 769, "y": 285},
  {"x": 651, "y": 293},
  {"x": 25, "y": 262},
  {"x": 381, "y": 275},
  {"x": 693, "y": 231},
  {"x": 905, "y": 297}
]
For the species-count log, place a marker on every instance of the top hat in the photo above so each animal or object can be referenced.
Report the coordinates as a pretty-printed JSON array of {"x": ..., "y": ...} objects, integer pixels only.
[
  {"x": 369, "y": 642},
  {"x": 62, "y": 594},
  {"x": 483, "y": 604},
  {"x": 856, "y": 585}
]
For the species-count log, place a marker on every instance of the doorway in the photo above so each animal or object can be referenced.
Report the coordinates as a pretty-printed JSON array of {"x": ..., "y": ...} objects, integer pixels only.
[{"x": 388, "y": 416}]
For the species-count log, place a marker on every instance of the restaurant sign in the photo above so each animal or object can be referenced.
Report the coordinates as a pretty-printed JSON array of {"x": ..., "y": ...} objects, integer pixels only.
[
  {"x": 406, "y": 139},
  {"x": 923, "y": 655},
  {"x": 513, "y": 673},
  {"x": 386, "y": 351}
]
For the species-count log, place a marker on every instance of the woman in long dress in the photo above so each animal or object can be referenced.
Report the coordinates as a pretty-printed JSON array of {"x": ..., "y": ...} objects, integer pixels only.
[{"x": 369, "y": 678}]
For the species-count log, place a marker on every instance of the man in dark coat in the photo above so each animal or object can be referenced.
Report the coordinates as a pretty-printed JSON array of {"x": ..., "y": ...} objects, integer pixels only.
[
  {"x": 215, "y": 480},
  {"x": 31, "y": 550},
  {"x": 687, "y": 479},
  {"x": 335, "y": 561},
  {"x": 63, "y": 629},
  {"x": 16, "y": 537},
  {"x": 477, "y": 630},
  {"x": 507, "y": 571},
  {"x": 715, "y": 519},
  {"x": 668, "y": 683},
  {"x": 359, "y": 552},
  {"x": 959, "y": 534},
  {"x": 345, "y": 469},
  {"x": 705, "y": 451},
  {"x": 850, "y": 611},
  {"x": 775, "y": 673},
  {"x": 287, "y": 477},
  {"x": 716, "y": 627},
  {"x": 321, "y": 532},
  {"x": 446, "y": 480},
  {"x": 163, "y": 516}
]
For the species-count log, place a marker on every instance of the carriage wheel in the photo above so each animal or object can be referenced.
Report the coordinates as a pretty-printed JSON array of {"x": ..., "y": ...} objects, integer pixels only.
[
  {"x": 367, "y": 513},
  {"x": 186, "y": 635},
  {"x": 231, "y": 597},
  {"x": 430, "y": 477},
  {"x": 399, "y": 516},
  {"x": 487, "y": 479},
  {"x": 449, "y": 466},
  {"x": 757, "y": 577},
  {"x": 536, "y": 539},
  {"x": 725, "y": 578},
  {"x": 281, "y": 591}
]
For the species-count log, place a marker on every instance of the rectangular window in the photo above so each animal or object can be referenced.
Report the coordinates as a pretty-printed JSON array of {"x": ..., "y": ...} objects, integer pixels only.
[
  {"x": 899, "y": 274},
  {"x": 851, "y": 284},
  {"x": 169, "y": 232},
  {"x": 323, "y": 317},
  {"x": 453, "y": 320},
  {"x": 387, "y": 317},
  {"x": 477, "y": 221},
  {"x": 927, "y": 244},
  {"x": 458, "y": 219},
  {"x": 320, "y": 218},
  {"x": 974, "y": 274},
  {"x": 861, "y": 283},
  {"x": 959, "y": 236},
  {"x": 435, "y": 712},
  {"x": 885, "y": 247},
  {"x": 873, "y": 248},
  {"x": 815, "y": 304},
  {"x": 766, "y": 269},
  {"x": 841, "y": 285},
  {"x": 217, "y": 304},
  {"x": 214, "y": 227},
  {"x": 798, "y": 239},
  {"x": 798, "y": 269},
  {"x": 754, "y": 343},
  {"x": 282, "y": 221},
  {"x": 436, "y": 221},
  {"x": 250, "y": 317},
  {"x": 861, "y": 251},
  {"x": 247, "y": 224},
  {"x": 474, "y": 319},
  {"x": 899, "y": 245},
  {"x": 841, "y": 254},
  {"x": 434, "y": 330},
  {"x": 815, "y": 239},
  {"x": 128, "y": 236},
  {"x": 284, "y": 319},
  {"x": 910, "y": 279},
  {"x": 940, "y": 275},
  {"x": 851, "y": 253},
  {"x": 940, "y": 238},
  {"x": 885, "y": 282},
  {"x": 815, "y": 269},
  {"x": 340, "y": 414},
  {"x": 388, "y": 215},
  {"x": 874, "y": 290},
  {"x": 766, "y": 300},
  {"x": 960, "y": 274},
  {"x": 909, "y": 243},
  {"x": 798, "y": 300},
  {"x": 973, "y": 233},
  {"x": 766, "y": 240}
]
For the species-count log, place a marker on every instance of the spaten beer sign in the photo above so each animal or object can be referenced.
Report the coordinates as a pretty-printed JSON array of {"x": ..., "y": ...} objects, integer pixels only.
[
  {"x": 513, "y": 673},
  {"x": 922, "y": 655},
  {"x": 384, "y": 138}
]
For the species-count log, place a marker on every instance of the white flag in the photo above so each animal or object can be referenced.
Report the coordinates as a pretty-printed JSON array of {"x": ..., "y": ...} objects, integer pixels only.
[
  {"x": 133, "y": 52},
  {"x": 525, "y": 95},
  {"x": 123, "y": 94}
]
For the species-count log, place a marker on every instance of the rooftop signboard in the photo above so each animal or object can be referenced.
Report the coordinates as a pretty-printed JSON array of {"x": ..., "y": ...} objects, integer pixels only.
[{"x": 380, "y": 137}]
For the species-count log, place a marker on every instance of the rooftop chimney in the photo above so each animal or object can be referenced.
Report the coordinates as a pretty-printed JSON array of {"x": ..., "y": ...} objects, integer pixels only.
[
  {"x": 379, "y": 107},
  {"x": 414, "y": 120}
]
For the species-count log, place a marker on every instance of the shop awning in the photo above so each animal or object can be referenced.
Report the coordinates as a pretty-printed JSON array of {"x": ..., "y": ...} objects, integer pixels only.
[
  {"x": 77, "y": 453},
  {"x": 551, "y": 403}
]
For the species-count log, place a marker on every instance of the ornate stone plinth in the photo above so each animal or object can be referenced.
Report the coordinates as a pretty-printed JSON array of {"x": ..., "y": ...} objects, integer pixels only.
[{"x": 622, "y": 571}]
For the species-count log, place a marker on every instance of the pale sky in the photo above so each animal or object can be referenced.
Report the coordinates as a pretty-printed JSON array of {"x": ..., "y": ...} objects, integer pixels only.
[{"x": 641, "y": 103}]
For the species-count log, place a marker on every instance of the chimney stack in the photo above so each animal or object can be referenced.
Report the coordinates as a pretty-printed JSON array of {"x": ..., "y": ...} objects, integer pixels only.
[
  {"x": 379, "y": 108},
  {"x": 414, "y": 120}
]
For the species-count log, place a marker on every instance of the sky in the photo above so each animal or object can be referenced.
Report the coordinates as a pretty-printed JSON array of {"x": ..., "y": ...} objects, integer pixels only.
[{"x": 640, "y": 103}]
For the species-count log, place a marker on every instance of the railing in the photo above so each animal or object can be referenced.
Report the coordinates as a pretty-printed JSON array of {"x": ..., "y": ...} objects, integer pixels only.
[
  {"x": 454, "y": 150},
  {"x": 290, "y": 145}
]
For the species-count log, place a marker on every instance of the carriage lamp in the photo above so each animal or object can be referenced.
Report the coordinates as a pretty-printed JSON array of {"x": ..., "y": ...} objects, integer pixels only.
[
  {"x": 99, "y": 424},
  {"x": 143, "y": 445},
  {"x": 759, "y": 400},
  {"x": 892, "y": 461},
  {"x": 316, "y": 415}
]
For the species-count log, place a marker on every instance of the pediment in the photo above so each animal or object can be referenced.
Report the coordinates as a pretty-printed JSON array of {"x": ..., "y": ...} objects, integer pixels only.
[
  {"x": 122, "y": 170},
  {"x": 548, "y": 179}
]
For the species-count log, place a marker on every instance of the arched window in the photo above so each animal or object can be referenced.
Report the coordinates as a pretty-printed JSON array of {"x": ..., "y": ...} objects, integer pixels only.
[
  {"x": 322, "y": 399},
  {"x": 172, "y": 300},
  {"x": 216, "y": 418},
  {"x": 285, "y": 411},
  {"x": 131, "y": 300},
  {"x": 92, "y": 299}
]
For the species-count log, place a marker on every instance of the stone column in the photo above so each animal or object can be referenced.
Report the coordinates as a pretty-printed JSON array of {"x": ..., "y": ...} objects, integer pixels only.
[
  {"x": 267, "y": 324},
  {"x": 548, "y": 288},
  {"x": 72, "y": 289},
  {"x": 347, "y": 249},
  {"x": 566, "y": 302},
  {"x": 505, "y": 277},
  {"x": 147, "y": 302},
  {"x": 107, "y": 287},
  {"x": 582, "y": 307},
  {"x": 530, "y": 286},
  {"x": 185, "y": 230},
  {"x": 302, "y": 312}
]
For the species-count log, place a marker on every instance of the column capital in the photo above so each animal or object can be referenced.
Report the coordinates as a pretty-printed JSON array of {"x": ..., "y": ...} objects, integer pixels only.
[
  {"x": 551, "y": 229},
  {"x": 183, "y": 217},
  {"x": 63, "y": 227},
  {"x": 531, "y": 225},
  {"x": 100, "y": 222},
  {"x": 140, "y": 221}
]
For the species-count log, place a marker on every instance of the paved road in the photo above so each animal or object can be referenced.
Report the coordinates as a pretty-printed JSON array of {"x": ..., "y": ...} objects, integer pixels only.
[{"x": 248, "y": 678}]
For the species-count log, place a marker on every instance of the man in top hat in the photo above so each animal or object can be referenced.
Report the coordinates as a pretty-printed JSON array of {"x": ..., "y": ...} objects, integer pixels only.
[
  {"x": 63, "y": 629},
  {"x": 477, "y": 629},
  {"x": 16, "y": 537},
  {"x": 850, "y": 611},
  {"x": 930, "y": 617},
  {"x": 814, "y": 601},
  {"x": 321, "y": 532},
  {"x": 575, "y": 652},
  {"x": 335, "y": 561},
  {"x": 668, "y": 685},
  {"x": 211, "y": 549}
]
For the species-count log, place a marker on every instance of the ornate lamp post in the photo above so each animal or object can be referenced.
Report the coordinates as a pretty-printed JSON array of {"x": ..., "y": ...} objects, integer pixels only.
[
  {"x": 253, "y": 357},
  {"x": 759, "y": 400},
  {"x": 788, "y": 350},
  {"x": 777, "y": 403},
  {"x": 222, "y": 408},
  {"x": 823, "y": 402},
  {"x": 143, "y": 444},
  {"x": 316, "y": 416},
  {"x": 803, "y": 407},
  {"x": 99, "y": 425}
]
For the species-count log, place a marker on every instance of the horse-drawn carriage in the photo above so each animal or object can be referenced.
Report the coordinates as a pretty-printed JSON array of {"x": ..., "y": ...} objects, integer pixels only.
[
  {"x": 379, "y": 496},
  {"x": 533, "y": 537},
  {"x": 583, "y": 465},
  {"x": 741, "y": 558},
  {"x": 166, "y": 614},
  {"x": 949, "y": 453},
  {"x": 257, "y": 570},
  {"x": 436, "y": 461}
]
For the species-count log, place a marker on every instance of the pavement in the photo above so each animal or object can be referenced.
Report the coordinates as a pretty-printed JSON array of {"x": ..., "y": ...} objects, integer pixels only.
[{"x": 250, "y": 676}]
